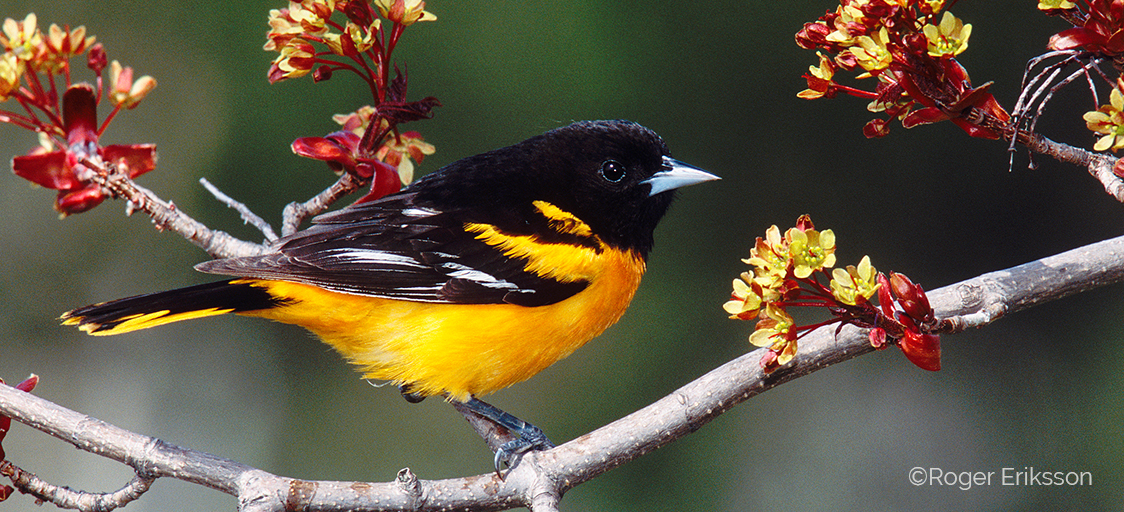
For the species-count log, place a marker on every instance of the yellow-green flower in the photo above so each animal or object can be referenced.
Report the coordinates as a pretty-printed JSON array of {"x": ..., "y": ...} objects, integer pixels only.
[
  {"x": 23, "y": 38},
  {"x": 406, "y": 12},
  {"x": 362, "y": 39},
  {"x": 819, "y": 79},
  {"x": 747, "y": 299},
  {"x": 123, "y": 91},
  {"x": 775, "y": 331},
  {"x": 949, "y": 38},
  {"x": 770, "y": 259},
  {"x": 810, "y": 250},
  {"x": 854, "y": 282},
  {"x": 11, "y": 69},
  {"x": 400, "y": 151},
  {"x": 871, "y": 52},
  {"x": 932, "y": 6},
  {"x": 849, "y": 16},
  {"x": 1109, "y": 121},
  {"x": 1046, "y": 5}
]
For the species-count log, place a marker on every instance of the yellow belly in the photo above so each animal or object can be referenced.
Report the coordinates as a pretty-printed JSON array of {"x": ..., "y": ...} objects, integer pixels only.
[{"x": 461, "y": 350}]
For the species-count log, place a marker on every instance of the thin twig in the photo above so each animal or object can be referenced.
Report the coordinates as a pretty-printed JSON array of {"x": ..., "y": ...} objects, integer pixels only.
[
  {"x": 165, "y": 216},
  {"x": 65, "y": 497},
  {"x": 296, "y": 213},
  {"x": 1099, "y": 165},
  {"x": 248, "y": 216}
]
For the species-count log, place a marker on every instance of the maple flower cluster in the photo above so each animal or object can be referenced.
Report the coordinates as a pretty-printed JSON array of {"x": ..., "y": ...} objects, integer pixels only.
[
  {"x": 909, "y": 49},
  {"x": 310, "y": 40},
  {"x": 788, "y": 270},
  {"x": 1098, "y": 31},
  {"x": 34, "y": 66}
]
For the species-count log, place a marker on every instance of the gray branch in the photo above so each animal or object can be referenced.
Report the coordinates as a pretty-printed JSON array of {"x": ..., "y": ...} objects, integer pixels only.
[{"x": 540, "y": 479}]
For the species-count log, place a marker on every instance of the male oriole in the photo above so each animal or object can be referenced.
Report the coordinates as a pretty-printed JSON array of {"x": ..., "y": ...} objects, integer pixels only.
[{"x": 473, "y": 278}]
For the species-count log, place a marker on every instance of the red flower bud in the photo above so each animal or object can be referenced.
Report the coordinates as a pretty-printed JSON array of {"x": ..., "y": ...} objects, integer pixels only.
[
  {"x": 813, "y": 35},
  {"x": 78, "y": 201},
  {"x": 96, "y": 59},
  {"x": 911, "y": 297},
  {"x": 384, "y": 181},
  {"x": 923, "y": 350},
  {"x": 877, "y": 337},
  {"x": 885, "y": 301},
  {"x": 321, "y": 74},
  {"x": 804, "y": 222}
]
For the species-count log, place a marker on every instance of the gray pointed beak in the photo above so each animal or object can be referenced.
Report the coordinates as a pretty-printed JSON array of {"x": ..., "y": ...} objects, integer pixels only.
[{"x": 676, "y": 174}]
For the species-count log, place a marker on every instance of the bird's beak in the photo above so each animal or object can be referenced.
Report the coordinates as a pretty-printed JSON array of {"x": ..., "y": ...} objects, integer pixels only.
[{"x": 676, "y": 174}]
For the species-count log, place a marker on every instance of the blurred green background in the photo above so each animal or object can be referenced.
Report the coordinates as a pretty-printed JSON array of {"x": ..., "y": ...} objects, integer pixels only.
[{"x": 718, "y": 80}]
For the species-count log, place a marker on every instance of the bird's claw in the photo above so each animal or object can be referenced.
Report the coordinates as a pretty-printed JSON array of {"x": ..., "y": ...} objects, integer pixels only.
[{"x": 531, "y": 438}]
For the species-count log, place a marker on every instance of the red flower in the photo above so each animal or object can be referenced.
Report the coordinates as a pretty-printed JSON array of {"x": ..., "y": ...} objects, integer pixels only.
[
  {"x": 341, "y": 151},
  {"x": 1103, "y": 31},
  {"x": 64, "y": 169}
]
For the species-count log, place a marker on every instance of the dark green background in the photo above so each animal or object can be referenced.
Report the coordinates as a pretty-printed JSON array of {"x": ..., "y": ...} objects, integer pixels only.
[{"x": 718, "y": 80}]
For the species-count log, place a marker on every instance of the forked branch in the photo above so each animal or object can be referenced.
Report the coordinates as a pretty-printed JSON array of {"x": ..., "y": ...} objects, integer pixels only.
[{"x": 541, "y": 478}]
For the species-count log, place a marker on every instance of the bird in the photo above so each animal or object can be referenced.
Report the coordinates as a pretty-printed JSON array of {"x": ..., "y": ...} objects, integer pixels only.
[{"x": 475, "y": 277}]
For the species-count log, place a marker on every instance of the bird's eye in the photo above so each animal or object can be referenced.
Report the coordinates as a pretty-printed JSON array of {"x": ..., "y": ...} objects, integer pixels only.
[{"x": 612, "y": 171}]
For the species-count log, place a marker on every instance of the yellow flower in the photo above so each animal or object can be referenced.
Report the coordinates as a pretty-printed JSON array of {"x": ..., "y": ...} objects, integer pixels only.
[
  {"x": 1046, "y": 5},
  {"x": 296, "y": 59},
  {"x": 775, "y": 332},
  {"x": 871, "y": 52},
  {"x": 950, "y": 38},
  {"x": 23, "y": 39},
  {"x": 123, "y": 91},
  {"x": 61, "y": 46},
  {"x": 933, "y": 6},
  {"x": 854, "y": 282},
  {"x": 306, "y": 18},
  {"x": 400, "y": 150},
  {"x": 406, "y": 12},
  {"x": 770, "y": 261},
  {"x": 11, "y": 69},
  {"x": 1109, "y": 121},
  {"x": 356, "y": 122},
  {"x": 745, "y": 302},
  {"x": 819, "y": 79},
  {"x": 810, "y": 250},
  {"x": 848, "y": 17},
  {"x": 361, "y": 39},
  {"x": 68, "y": 44}
]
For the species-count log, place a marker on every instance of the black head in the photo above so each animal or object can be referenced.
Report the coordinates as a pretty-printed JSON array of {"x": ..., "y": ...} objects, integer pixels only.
[{"x": 603, "y": 172}]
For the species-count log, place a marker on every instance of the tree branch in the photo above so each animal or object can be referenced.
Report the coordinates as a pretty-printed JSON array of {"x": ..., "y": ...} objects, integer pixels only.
[
  {"x": 165, "y": 216},
  {"x": 541, "y": 478},
  {"x": 1099, "y": 165},
  {"x": 296, "y": 213}
]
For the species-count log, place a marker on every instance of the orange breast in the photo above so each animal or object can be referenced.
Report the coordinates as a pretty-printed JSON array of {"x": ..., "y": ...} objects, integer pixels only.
[{"x": 464, "y": 349}]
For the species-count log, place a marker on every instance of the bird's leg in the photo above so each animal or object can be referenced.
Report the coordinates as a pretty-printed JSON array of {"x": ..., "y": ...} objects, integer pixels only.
[
  {"x": 410, "y": 395},
  {"x": 527, "y": 437}
]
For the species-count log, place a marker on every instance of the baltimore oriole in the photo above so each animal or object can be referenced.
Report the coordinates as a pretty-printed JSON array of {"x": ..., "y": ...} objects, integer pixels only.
[{"x": 473, "y": 278}]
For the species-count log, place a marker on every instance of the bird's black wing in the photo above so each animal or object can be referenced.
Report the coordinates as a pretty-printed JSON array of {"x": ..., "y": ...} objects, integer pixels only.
[{"x": 394, "y": 248}]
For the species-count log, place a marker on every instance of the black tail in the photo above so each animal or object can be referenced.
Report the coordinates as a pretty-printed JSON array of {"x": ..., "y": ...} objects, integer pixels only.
[{"x": 144, "y": 311}]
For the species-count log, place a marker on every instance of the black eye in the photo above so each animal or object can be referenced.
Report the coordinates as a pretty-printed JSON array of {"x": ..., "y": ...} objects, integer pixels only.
[{"x": 612, "y": 171}]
